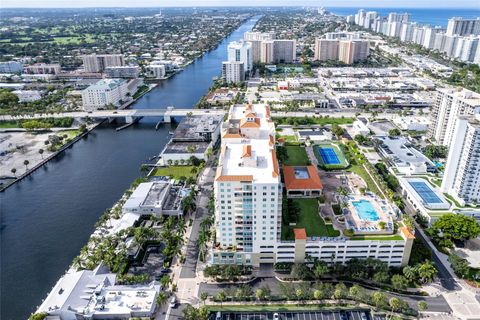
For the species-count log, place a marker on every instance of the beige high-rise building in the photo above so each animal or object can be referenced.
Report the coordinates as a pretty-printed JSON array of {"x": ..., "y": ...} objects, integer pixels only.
[
  {"x": 266, "y": 52},
  {"x": 351, "y": 51},
  {"x": 256, "y": 38},
  {"x": 326, "y": 49},
  {"x": 98, "y": 63}
]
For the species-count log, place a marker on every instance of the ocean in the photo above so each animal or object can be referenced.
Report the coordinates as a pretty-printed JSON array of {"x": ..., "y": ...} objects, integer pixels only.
[{"x": 432, "y": 16}]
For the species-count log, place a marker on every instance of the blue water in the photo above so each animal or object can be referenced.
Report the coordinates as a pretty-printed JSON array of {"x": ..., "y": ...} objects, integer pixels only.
[
  {"x": 432, "y": 16},
  {"x": 365, "y": 210}
]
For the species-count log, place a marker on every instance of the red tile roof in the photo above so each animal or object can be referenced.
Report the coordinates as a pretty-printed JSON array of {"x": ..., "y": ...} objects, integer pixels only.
[
  {"x": 293, "y": 183},
  {"x": 247, "y": 151},
  {"x": 300, "y": 233}
]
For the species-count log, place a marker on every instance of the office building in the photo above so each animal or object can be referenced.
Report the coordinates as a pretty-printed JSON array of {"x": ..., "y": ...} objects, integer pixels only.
[
  {"x": 42, "y": 68},
  {"x": 104, "y": 93},
  {"x": 241, "y": 51},
  {"x": 155, "y": 70},
  {"x": 353, "y": 50},
  {"x": 463, "y": 27},
  {"x": 448, "y": 106},
  {"x": 284, "y": 51},
  {"x": 326, "y": 49},
  {"x": 233, "y": 71},
  {"x": 11, "y": 67},
  {"x": 98, "y": 63},
  {"x": 461, "y": 178},
  {"x": 256, "y": 38},
  {"x": 122, "y": 72}
]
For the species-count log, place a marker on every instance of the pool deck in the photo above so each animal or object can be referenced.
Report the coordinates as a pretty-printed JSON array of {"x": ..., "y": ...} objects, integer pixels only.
[{"x": 365, "y": 227}]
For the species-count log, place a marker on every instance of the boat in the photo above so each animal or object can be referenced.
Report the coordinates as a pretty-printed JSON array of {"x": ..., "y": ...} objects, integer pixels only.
[{"x": 170, "y": 132}]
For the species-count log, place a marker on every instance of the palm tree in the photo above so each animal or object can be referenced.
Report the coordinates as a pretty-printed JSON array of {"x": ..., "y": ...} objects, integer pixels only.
[
  {"x": 41, "y": 152},
  {"x": 221, "y": 296},
  {"x": 14, "y": 171},
  {"x": 427, "y": 271},
  {"x": 144, "y": 169},
  {"x": 203, "y": 297},
  {"x": 162, "y": 297},
  {"x": 26, "y": 163}
]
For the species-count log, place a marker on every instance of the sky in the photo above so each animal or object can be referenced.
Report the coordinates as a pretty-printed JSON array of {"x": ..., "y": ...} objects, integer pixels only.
[{"x": 198, "y": 3}]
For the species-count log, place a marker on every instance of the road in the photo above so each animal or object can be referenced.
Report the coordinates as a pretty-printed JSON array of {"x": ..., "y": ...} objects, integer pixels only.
[{"x": 435, "y": 304}]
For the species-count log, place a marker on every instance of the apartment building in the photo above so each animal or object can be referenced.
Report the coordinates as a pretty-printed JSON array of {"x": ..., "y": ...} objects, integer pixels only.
[
  {"x": 266, "y": 52},
  {"x": 284, "y": 51},
  {"x": 122, "y": 72},
  {"x": 462, "y": 172},
  {"x": 98, "y": 63},
  {"x": 353, "y": 50},
  {"x": 326, "y": 49},
  {"x": 248, "y": 204},
  {"x": 105, "y": 92},
  {"x": 449, "y": 105},
  {"x": 463, "y": 27},
  {"x": 155, "y": 70},
  {"x": 11, "y": 67},
  {"x": 241, "y": 51},
  {"x": 233, "y": 71},
  {"x": 256, "y": 39},
  {"x": 42, "y": 68}
]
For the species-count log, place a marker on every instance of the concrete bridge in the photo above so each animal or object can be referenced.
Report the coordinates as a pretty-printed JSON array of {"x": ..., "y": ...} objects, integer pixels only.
[{"x": 128, "y": 114}]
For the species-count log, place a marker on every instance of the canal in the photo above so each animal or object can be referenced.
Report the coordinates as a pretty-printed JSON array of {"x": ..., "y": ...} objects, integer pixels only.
[{"x": 46, "y": 218}]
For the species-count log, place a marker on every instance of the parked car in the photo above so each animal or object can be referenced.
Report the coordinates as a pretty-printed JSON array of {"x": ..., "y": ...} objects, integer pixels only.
[
  {"x": 173, "y": 302},
  {"x": 276, "y": 316},
  {"x": 364, "y": 316}
]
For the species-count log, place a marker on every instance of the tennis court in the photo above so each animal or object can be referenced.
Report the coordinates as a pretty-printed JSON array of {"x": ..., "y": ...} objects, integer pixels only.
[
  {"x": 328, "y": 155},
  {"x": 427, "y": 194}
]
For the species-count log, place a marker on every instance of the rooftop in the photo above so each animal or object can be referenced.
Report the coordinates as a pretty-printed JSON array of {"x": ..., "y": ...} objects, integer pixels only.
[
  {"x": 107, "y": 84},
  {"x": 401, "y": 153},
  {"x": 197, "y": 128},
  {"x": 301, "y": 178}
]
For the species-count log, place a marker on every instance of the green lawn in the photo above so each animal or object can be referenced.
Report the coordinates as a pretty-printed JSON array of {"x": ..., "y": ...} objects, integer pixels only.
[
  {"x": 386, "y": 238},
  {"x": 310, "y": 219},
  {"x": 175, "y": 172},
  {"x": 10, "y": 124},
  {"x": 275, "y": 307},
  {"x": 310, "y": 120},
  {"x": 289, "y": 138},
  {"x": 360, "y": 170},
  {"x": 296, "y": 156},
  {"x": 343, "y": 162}
]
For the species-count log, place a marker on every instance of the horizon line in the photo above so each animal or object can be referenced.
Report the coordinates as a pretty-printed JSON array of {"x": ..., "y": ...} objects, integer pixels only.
[{"x": 476, "y": 8}]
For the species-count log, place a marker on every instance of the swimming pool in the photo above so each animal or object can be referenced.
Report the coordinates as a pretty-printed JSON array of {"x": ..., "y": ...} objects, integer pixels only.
[
  {"x": 328, "y": 155},
  {"x": 365, "y": 210}
]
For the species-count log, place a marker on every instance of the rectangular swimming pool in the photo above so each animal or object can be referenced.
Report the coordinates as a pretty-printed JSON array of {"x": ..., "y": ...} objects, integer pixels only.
[
  {"x": 328, "y": 155},
  {"x": 425, "y": 192},
  {"x": 365, "y": 210}
]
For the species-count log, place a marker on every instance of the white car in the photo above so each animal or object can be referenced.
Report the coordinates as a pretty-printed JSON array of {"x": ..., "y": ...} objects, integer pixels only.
[
  {"x": 173, "y": 302},
  {"x": 364, "y": 316},
  {"x": 276, "y": 316}
]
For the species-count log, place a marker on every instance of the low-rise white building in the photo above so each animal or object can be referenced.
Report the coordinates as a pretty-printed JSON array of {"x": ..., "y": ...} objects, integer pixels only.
[
  {"x": 93, "y": 294},
  {"x": 122, "y": 72},
  {"x": 157, "y": 198},
  {"x": 360, "y": 126},
  {"x": 105, "y": 92},
  {"x": 156, "y": 71},
  {"x": 416, "y": 123},
  {"x": 27, "y": 95}
]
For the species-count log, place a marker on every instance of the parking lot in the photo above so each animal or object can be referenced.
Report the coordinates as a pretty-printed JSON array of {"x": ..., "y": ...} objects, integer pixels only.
[{"x": 307, "y": 315}]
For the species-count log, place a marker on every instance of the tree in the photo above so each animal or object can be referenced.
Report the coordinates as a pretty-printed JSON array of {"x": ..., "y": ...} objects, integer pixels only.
[
  {"x": 395, "y": 304},
  {"x": 394, "y": 132},
  {"x": 38, "y": 316},
  {"x": 317, "y": 294},
  {"x": 203, "y": 297},
  {"x": 262, "y": 293},
  {"x": 456, "y": 227},
  {"x": 144, "y": 169},
  {"x": 426, "y": 271},
  {"x": 321, "y": 268},
  {"x": 436, "y": 152},
  {"x": 161, "y": 298},
  {"x": 410, "y": 273},
  {"x": 379, "y": 299},
  {"x": 381, "y": 277},
  {"x": 460, "y": 266},
  {"x": 399, "y": 282},
  {"x": 14, "y": 171},
  {"x": 422, "y": 305},
  {"x": 165, "y": 281},
  {"x": 340, "y": 291},
  {"x": 337, "y": 130},
  {"x": 192, "y": 313},
  {"x": 300, "y": 271},
  {"x": 221, "y": 296},
  {"x": 26, "y": 163}
]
